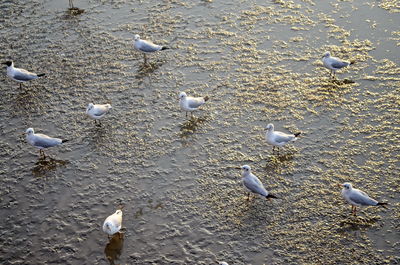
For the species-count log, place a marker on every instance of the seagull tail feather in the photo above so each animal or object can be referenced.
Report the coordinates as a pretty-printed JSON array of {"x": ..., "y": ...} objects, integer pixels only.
[
  {"x": 297, "y": 134},
  {"x": 206, "y": 98},
  {"x": 39, "y": 75},
  {"x": 271, "y": 196},
  {"x": 64, "y": 140},
  {"x": 383, "y": 204},
  {"x": 165, "y": 48},
  {"x": 352, "y": 61}
]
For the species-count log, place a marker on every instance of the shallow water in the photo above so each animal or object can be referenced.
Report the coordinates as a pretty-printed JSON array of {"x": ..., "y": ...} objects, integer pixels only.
[{"x": 260, "y": 62}]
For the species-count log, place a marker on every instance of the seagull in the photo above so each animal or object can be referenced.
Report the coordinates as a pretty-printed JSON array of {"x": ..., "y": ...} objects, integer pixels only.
[
  {"x": 19, "y": 74},
  {"x": 97, "y": 111},
  {"x": 146, "y": 46},
  {"x": 253, "y": 184},
  {"x": 333, "y": 63},
  {"x": 276, "y": 138},
  {"x": 113, "y": 223},
  {"x": 222, "y": 263},
  {"x": 190, "y": 104},
  {"x": 42, "y": 141},
  {"x": 357, "y": 197}
]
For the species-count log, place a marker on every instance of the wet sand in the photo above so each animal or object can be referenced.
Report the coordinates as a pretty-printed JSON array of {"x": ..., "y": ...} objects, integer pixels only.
[{"x": 259, "y": 62}]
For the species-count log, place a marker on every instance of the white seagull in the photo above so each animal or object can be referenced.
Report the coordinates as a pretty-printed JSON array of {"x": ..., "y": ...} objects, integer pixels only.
[
  {"x": 357, "y": 197},
  {"x": 190, "y": 104},
  {"x": 20, "y": 75},
  {"x": 113, "y": 223},
  {"x": 42, "y": 141},
  {"x": 253, "y": 184},
  {"x": 222, "y": 263},
  {"x": 97, "y": 111},
  {"x": 333, "y": 63},
  {"x": 145, "y": 46},
  {"x": 276, "y": 138}
]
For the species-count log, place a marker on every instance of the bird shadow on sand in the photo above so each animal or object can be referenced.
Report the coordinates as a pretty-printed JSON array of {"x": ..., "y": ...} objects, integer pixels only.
[
  {"x": 74, "y": 11},
  {"x": 189, "y": 127},
  {"x": 147, "y": 68},
  {"x": 280, "y": 160},
  {"x": 46, "y": 165},
  {"x": 355, "y": 223},
  {"x": 114, "y": 247},
  {"x": 333, "y": 83}
]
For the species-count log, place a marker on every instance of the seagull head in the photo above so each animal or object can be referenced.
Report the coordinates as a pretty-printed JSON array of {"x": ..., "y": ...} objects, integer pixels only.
[
  {"x": 8, "y": 63},
  {"x": 90, "y": 106},
  {"x": 326, "y": 55},
  {"x": 270, "y": 127},
  {"x": 347, "y": 186},
  {"x": 246, "y": 168},
  {"x": 136, "y": 37},
  {"x": 182, "y": 95},
  {"x": 29, "y": 131},
  {"x": 118, "y": 212}
]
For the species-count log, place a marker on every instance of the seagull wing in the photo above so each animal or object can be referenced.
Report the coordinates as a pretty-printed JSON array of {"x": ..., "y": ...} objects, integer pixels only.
[
  {"x": 361, "y": 198},
  {"x": 24, "y": 75},
  {"x": 42, "y": 140},
  {"x": 254, "y": 184},
  {"x": 100, "y": 110},
  {"x": 147, "y": 46},
  {"x": 281, "y": 137},
  {"x": 339, "y": 64},
  {"x": 195, "y": 102}
]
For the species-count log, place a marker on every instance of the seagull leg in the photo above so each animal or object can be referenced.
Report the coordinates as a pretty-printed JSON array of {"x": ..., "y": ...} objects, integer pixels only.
[
  {"x": 145, "y": 58},
  {"x": 248, "y": 196},
  {"x": 20, "y": 85},
  {"x": 353, "y": 210}
]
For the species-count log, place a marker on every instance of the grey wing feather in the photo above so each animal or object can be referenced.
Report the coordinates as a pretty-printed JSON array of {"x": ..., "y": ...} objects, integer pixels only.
[
  {"x": 149, "y": 47},
  {"x": 100, "y": 111},
  {"x": 255, "y": 186},
  {"x": 195, "y": 102},
  {"x": 46, "y": 142},
  {"x": 362, "y": 198},
  {"x": 24, "y": 76},
  {"x": 339, "y": 64},
  {"x": 283, "y": 137}
]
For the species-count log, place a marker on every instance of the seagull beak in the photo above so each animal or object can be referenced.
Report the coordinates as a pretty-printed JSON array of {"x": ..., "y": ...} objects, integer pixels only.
[{"x": 340, "y": 185}]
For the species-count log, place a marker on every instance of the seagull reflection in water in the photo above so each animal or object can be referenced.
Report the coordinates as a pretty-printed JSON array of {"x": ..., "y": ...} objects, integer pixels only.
[
  {"x": 189, "y": 127},
  {"x": 114, "y": 247},
  {"x": 47, "y": 164}
]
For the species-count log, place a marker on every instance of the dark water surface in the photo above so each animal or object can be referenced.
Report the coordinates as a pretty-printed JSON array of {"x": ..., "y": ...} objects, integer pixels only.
[{"x": 259, "y": 62}]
